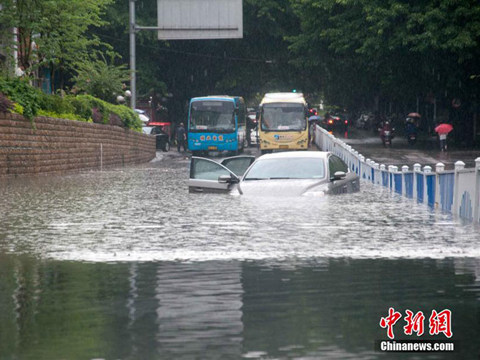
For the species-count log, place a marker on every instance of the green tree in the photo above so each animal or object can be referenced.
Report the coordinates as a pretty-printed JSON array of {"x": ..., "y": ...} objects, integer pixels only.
[
  {"x": 54, "y": 33},
  {"x": 101, "y": 78},
  {"x": 394, "y": 49}
]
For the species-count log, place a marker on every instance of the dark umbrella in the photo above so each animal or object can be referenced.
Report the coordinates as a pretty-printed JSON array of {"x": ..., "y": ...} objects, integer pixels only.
[
  {"x": 414, "y": 114},
  {"x": 313, "y": 118},
  {"x": 443, "y": 129}
]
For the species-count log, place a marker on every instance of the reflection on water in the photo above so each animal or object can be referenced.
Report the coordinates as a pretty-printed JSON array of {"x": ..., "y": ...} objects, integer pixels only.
[
  {"x": 126, "y": 264},
  {"x": 199, "y": 309},
  {"x": 322, "y": 308}
]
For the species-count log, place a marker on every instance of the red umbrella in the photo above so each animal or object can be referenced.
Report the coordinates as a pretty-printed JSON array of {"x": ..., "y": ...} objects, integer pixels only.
[
  {"x": 414, "y": 114},
  {"x": 443, "y": 128}
]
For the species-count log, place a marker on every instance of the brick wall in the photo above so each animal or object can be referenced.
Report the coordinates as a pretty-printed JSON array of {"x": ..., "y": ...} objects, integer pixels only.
[{"x": 62, "y": 146}]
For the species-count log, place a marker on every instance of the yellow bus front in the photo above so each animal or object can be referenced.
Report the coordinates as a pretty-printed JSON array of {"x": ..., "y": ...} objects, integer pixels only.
[{"x": 283, "y": 126}]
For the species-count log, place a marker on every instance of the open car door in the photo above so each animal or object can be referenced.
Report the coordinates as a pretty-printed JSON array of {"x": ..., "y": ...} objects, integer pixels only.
[
  {"x": 238, "y": 164},
  {"x": 207, "y": 175}
]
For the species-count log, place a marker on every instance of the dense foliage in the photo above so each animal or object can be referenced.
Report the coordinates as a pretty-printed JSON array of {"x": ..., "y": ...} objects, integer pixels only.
[
  {"x": 33, "y": 102},
  {"x": 20, "y": 91},
  {"x": 393, "y": 49},
  {"x": 5, "y": 104},
  {"x": 101, "y": 78},
  {"x": 56, "y": 34}
]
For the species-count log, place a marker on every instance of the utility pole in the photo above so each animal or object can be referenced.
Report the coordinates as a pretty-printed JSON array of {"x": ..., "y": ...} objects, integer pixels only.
[
  {"x": 234, "y": 30},
  {"x": 133, "y": 75}
]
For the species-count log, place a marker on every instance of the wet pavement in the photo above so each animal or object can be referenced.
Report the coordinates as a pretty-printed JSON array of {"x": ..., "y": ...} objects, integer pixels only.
[{"x": 125, "y": 263}]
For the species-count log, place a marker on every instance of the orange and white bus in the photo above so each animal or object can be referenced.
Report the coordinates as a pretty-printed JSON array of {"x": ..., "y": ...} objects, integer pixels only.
[{"x": 282, "y": 122}]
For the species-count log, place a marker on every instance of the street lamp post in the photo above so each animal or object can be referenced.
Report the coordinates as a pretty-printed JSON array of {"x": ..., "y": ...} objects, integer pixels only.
[{"x": 133, "y": 75}]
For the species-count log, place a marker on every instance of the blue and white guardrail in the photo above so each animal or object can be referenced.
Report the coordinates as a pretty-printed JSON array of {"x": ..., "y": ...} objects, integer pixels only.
[{"x": 455, "y": 191}]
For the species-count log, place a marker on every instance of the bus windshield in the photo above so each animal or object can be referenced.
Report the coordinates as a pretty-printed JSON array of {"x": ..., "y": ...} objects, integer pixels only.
[
  {"x": 212, "y": 116},
  {"x": 283, "y": 116}
]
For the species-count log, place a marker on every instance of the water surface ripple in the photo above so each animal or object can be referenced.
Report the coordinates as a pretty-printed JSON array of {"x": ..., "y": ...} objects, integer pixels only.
[{"x": 146, "y": 214}]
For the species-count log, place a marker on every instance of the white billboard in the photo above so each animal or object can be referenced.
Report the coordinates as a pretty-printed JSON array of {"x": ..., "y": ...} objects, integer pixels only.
[{"x": 199, "y": 19}]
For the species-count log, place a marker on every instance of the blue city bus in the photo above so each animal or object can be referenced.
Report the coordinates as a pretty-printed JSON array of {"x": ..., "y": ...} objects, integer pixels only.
[{"x": 216, "y": 123}]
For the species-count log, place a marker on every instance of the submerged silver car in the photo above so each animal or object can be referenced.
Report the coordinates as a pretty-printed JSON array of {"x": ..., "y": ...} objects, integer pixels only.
[{"x": 293, "y": 173}]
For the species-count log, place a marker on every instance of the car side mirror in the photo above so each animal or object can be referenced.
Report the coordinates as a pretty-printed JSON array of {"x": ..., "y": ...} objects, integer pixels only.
[
  {"x": 227, "y": 179},
  {"x": 339, "y": 175}
]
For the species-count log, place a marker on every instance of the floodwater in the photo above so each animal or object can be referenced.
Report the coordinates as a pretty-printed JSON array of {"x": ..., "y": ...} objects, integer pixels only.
[{"x": 126, "y": 264}]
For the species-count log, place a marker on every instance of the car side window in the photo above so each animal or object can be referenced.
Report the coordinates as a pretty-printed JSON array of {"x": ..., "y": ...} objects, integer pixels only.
[
  {"x": 205, "y": 169},
  {"x": 238, "y": 165},
  {"x": 336, "y": 164}
]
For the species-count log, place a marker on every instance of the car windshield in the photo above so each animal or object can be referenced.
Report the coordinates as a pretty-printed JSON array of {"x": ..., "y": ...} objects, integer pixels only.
[
  {"x": 212, "y": 116},
  {"x": 283, "y": 117},
  {"x": 287, "y": 168}
]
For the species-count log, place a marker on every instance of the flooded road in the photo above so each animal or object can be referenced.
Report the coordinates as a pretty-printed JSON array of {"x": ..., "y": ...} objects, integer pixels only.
[{"x": 126, "y": 264}]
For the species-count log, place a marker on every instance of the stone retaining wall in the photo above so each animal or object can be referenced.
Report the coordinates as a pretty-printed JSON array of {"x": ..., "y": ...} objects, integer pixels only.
[{"x": 62, "y": 146}]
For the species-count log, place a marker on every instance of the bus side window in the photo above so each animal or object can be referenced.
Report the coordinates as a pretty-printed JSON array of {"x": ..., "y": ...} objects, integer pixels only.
[{"x": 241, "y": 115}]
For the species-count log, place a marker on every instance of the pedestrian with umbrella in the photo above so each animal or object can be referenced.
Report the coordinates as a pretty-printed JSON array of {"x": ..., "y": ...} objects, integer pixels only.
[{"x": 442, "y": 130}]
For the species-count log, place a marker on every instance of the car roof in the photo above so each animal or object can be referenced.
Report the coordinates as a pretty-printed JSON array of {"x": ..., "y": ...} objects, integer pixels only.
[{"x": 295, "y": 154}]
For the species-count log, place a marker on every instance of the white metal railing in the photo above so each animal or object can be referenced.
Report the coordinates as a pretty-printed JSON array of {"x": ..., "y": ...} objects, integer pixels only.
[{"x": 453, "y": 191}]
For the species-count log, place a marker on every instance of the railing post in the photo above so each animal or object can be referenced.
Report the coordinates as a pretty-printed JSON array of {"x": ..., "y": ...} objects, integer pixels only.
[
  {"x": 376, "y": 176},
  {"x": 416, "y": 169},
  {"x": 383, "y": 170},
  {"x": 390, "y": 177},
  {"x": 439, "y": 168},
  {"x": 426, "y": 171},
  {"x": 476, "y": 210},
  {"x": 459, "y": 165},
  {"x": 368, "y": 169},
  {"x": 404, "y": 182},
  {"x": 357, "y": 163}
]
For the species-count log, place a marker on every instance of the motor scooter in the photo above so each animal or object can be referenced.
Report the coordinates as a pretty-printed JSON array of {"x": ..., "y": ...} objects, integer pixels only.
[
  {"x": 411, "y": 131},
  {"x": 363, "y": 122},
  {"x": 386, "y": 133}
]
